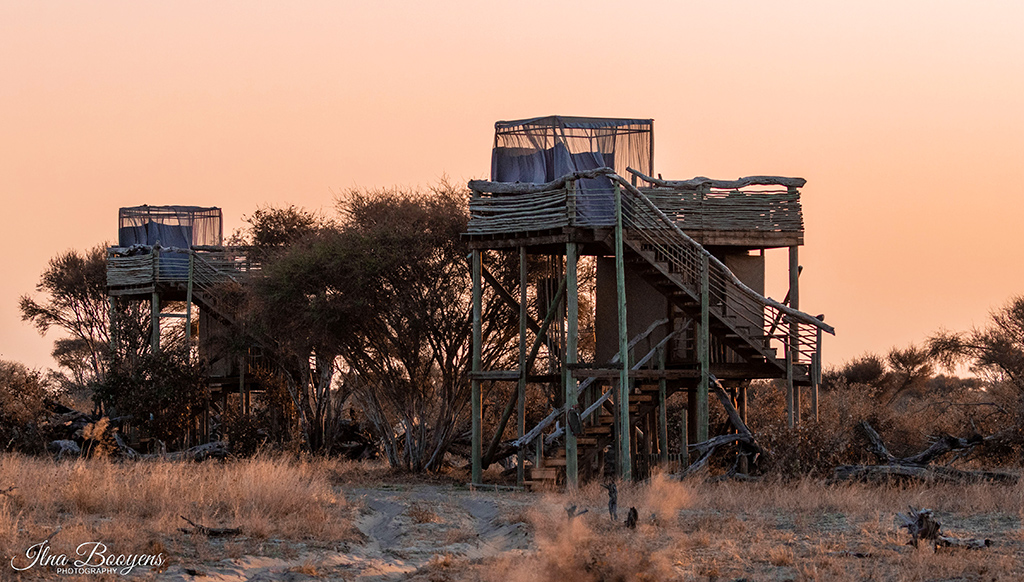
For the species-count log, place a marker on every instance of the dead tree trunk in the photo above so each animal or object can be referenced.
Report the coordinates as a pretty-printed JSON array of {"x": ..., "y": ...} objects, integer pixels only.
[{"x": 916, "y": 467}]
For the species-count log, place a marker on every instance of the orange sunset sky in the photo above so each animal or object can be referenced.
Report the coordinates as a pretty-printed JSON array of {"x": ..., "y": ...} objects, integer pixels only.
[{"x": 906, "y": 119}]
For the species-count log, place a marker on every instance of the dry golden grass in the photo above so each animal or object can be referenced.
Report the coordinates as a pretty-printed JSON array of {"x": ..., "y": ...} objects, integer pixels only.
[
  {"x": 785, "y": 530},
  {"x": 797, "y": 530},
  {"x": 133, "y": 507}
]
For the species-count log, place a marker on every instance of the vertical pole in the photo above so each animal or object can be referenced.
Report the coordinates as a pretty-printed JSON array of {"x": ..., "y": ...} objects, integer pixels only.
[
  {"x": 741, "y": 408},
  {"x": 650, "y": 163},
  {"x": 790, "y": 417},
  {"x": 792, "y": 391},
  {"x": 477, "y": 421},
  {"x": 816, "y": 377},
  {"x": 662, "y": 410},
  {"x": 521, "y": 387},
  {"x": 625, "y": 463},
  {"x": 703, "y": 351},
  {"x": 571, "y": 344},
  {"x": 248, "y": 393},
  {"x": 241, "y": 386},
  {"x": 154, "y": 305},
  {"x": 684, "y": 440},
  {"x": 540, "y": 451},
  {"x": 188, "y": 303},
  {"x": 741, "y": 401},
  {"x": 154, "y": 315}
]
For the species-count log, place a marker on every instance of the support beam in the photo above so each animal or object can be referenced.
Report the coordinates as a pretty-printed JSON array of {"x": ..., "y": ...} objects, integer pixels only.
[
  {"x": 571, "y": 341},
  {"x": 475, "y": 396},
  {"x": 188, "y": 303},
  {"x": 507, "y": 297},
  {"x": 622, "y": 400},
  {"x": 816, "y": 377},
  {"x": 703, "y": 353},
  {"x": 741, "y": 400},
  {"x": 241, "y": 387},
  {"x": 684, "y": 440},
  {"x": 154, "y": 316},
  {"x": 662, "y": 409},
  {"x": 524, "y": 319},
  {"x": 524, "y": 368},
  {"x": 792, "y": 391}
]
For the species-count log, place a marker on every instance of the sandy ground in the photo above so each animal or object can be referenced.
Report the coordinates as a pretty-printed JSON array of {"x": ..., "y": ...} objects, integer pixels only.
[
  {"x": 444, "y": 533},
  {"x": 404, "y": 527}
]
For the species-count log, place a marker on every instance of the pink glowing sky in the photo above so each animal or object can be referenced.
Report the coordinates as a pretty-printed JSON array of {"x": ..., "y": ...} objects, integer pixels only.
[{"x": 906, "y": 119}]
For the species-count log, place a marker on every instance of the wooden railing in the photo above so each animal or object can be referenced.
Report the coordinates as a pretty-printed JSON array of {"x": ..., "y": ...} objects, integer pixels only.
[
  {"x": 730, "y": 300},
  {"x": 150, "y": 265},
  {"x": 759, "y": 204}
]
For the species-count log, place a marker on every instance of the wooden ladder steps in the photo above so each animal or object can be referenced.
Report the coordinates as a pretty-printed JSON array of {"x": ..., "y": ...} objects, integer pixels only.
[{"x": 537, "y": 473}]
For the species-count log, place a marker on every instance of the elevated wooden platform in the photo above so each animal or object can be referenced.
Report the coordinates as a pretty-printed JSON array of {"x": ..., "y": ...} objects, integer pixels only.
[
  {"x": 752, "y": 213},
  {"x": 674, "y": 246}
]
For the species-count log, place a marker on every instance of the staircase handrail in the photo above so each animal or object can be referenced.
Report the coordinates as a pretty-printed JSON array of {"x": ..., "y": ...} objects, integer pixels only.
[
  {"x": 554, "y": 414},
  {"x": 767, "y": 301}
]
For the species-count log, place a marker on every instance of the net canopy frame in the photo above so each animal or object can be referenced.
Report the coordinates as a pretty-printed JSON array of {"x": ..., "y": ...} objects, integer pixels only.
[
  {"x": 171, "y": 226},
  {"x": 541, "y": 149}
]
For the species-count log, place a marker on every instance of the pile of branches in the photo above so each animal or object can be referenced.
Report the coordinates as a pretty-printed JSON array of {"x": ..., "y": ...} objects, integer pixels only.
[
  {"x": 742, "y": 439},
  {"x": 918, "y": 467}
]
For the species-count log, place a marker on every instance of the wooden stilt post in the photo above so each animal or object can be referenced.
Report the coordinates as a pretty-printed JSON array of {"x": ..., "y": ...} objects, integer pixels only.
[
  {"x": 154, "y": 316},
  {"x": 741, "y": 401},
  {"x": 703, "y": 351},
  {"x": 816, "y": 377},
  {"x": 648, "y": 446},
  {"x": 662, "y": 410},
  {"x": 571, "y": 341},
  {"x": 188, "y": 303},
  {"x": 625, "y": 459},
  {"x": 684, "y": 440},
  {"x": 792, "y": 391},
  {"x": 521, "y": 386},
  {"x": 241, "y": 386},
  {"x": 154, "y": 306},
  {"x": 475, "y": 397},
  {"x": 741, "y": 409}
]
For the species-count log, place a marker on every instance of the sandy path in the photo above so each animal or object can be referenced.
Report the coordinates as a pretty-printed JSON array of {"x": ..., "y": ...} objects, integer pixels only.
[{"x": 467, "y": 524}]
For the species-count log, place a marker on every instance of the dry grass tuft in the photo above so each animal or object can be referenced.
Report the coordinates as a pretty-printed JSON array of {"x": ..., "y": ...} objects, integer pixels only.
[
  {"x": 420, "y": 513},
  {"x": 137, "y": 506},
  {"x": 781, "y": 556}
]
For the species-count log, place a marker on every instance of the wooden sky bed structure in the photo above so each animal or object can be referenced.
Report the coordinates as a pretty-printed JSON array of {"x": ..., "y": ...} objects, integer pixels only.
[
  {"x": 173, "y": 255},
  {"x": 680, "y": 299}
]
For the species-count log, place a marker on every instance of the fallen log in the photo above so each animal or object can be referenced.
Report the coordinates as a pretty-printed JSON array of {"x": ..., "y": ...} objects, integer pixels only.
[
  {"x": 735, "y": 419},
  {"x": 706, "y": 449},
  {"x": 213, "y": 532},
  {"x": 64, "y": 448},
  {"x": 214, "y": 450},
  {"x": 877, "y": 447},
  {"x": 944, "y": 444},
  {"x": 883, "y": 473},
  {"x": 916, "y": 467}
]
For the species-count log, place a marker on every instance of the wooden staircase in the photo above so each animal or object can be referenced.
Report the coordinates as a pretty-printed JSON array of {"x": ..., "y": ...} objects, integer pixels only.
[
  {"x": 743, "y": 324},
  {"x": 751, "y": 345},
  {"x": 598, "y": 436}
]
